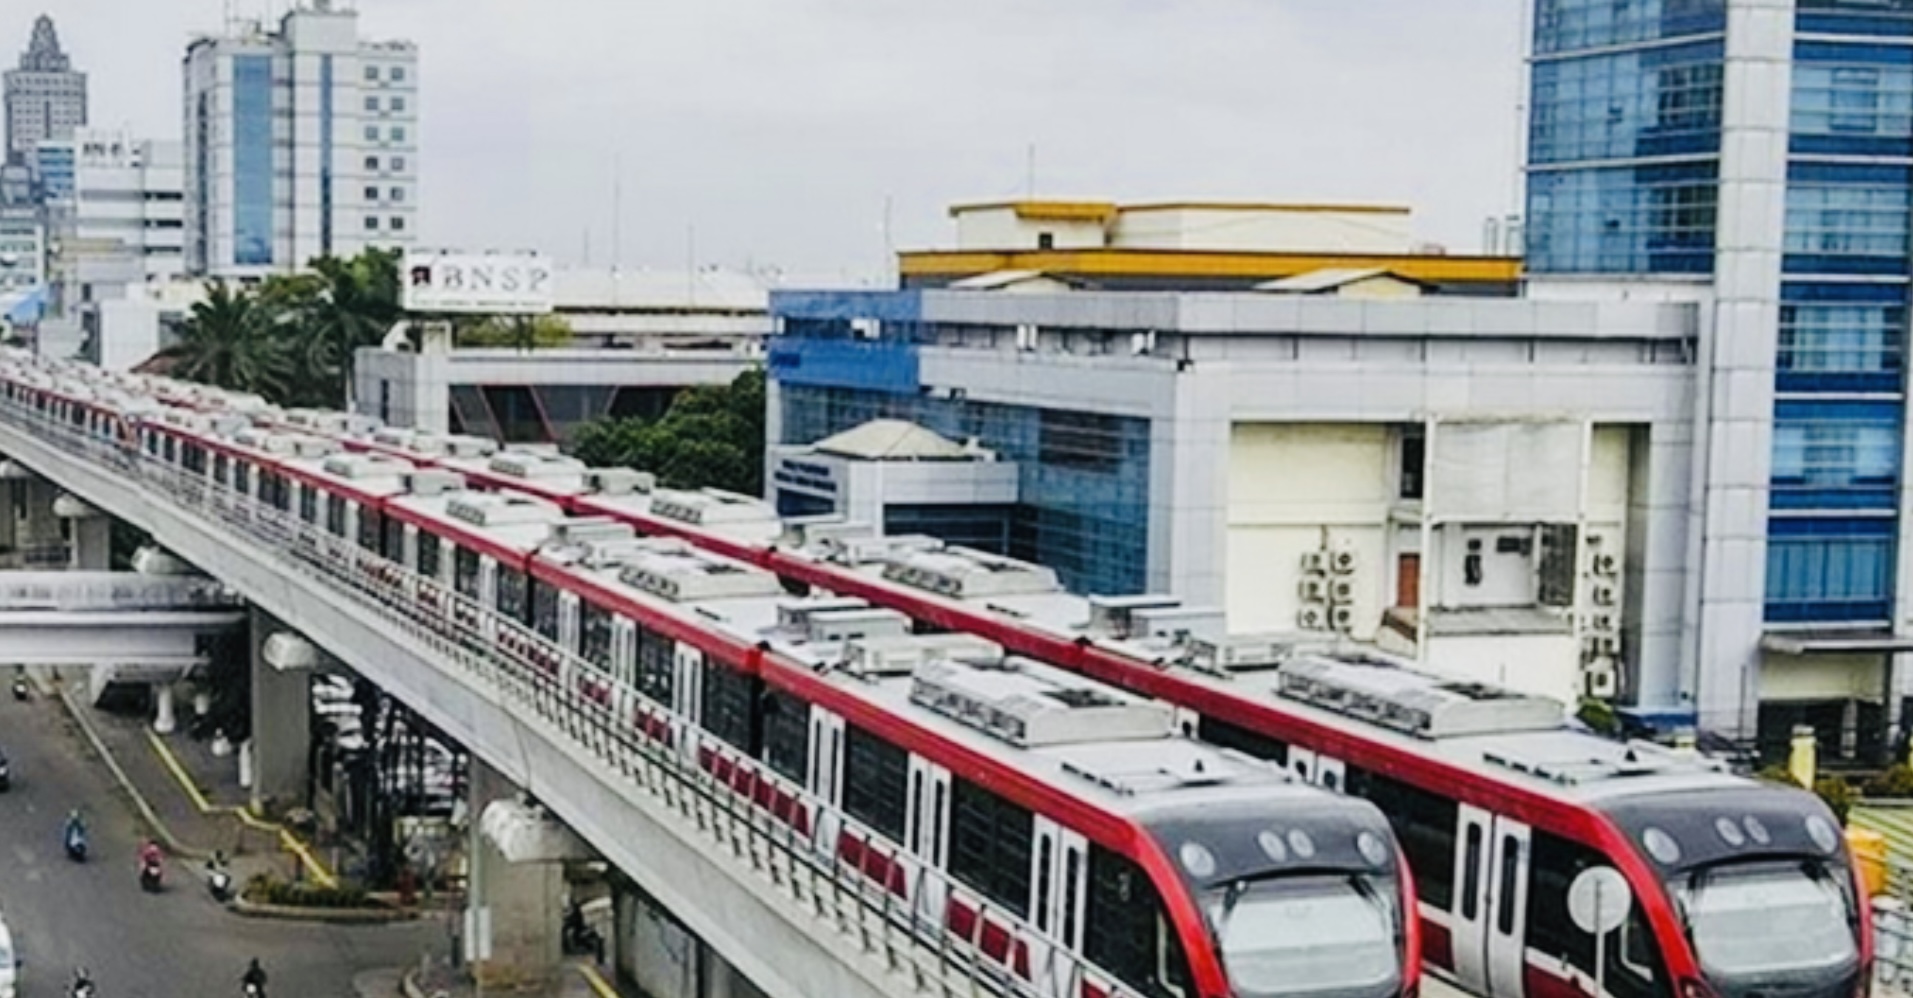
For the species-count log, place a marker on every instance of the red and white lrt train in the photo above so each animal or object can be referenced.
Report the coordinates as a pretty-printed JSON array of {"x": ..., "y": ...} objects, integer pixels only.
[
  {"x": 1062, "y": 829},
  {"x": 1737, "y": 888}
]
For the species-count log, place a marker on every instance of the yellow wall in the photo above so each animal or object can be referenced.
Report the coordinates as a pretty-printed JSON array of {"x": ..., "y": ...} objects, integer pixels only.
[
  {"x": 1286, "y": 483},
  {"x": 1822, "y": 677}
]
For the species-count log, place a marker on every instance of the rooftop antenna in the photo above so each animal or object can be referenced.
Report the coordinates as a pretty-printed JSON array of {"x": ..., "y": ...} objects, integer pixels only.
[
  {"x": 889, "y": 244},
  {"x": 690, "y": 262},
  {"x": 617, "y": 210},
  {"x": 1029, "y": 188}
]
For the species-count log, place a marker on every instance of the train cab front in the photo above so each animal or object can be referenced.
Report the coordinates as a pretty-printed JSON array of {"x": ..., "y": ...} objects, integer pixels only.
[
  {"x": 1761, "y": 888},
  {"x": 1302, "y": 897}
]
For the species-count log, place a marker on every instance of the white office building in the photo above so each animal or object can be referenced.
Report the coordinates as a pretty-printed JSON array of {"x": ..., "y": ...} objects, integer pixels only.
[
  {"x": 124, "y": 221},
  {"x": 301, "y": 141}
]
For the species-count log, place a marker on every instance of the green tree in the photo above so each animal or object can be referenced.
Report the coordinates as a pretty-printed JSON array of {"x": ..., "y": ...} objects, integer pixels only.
[
  {"x": 230, "y": 341},
  {"x": 355, "y": 304},
  {"x": 520, "y": 332},
  {"x": 712, "y": 437}
]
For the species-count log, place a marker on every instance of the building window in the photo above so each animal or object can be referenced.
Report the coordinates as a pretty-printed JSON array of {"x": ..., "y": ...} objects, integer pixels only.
[
  {"x": 398, "y": 74},
  {"x": 1045, "y": 240},
  {"x": 371, "y": 133},
  {"x": 252, "y": 160},
  {"x": 1834, "y": 456},
  {"x": 371, "y": 164},
  {"x": 1873, "y": 100},
  {"x": 398, "y": 104},
  {"x": 371, "y": 194},
  {"x": 398, "y": 164},
  {"x": 398, "y": 133},
  {"x": 1842, "y": 219},
  {"x": 1086, "y": 440},
  {"x": 398, "y": 224},
  {"x": 1840, "y": 338},
  {"x": 398, "y": 195},
  {"x": 1643, "y": 220},
  {"x": 372, "y": 73},
  {"x": 371, "y": 223},
  {"x": 1414, "y": 451},
  {"x": 372, "y": 103},
  {"x": 1830, "y": 570}
]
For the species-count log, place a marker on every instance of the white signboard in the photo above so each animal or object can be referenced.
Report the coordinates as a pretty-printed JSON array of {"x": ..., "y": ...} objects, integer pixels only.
[{"x": 490, "y": 283}]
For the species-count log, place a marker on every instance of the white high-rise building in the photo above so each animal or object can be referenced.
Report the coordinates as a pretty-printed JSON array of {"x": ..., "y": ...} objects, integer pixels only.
[
  {"x": 125, "y": 219},
  {"x": 301, "y": 142},
  {"x": 45, "y": 95}
]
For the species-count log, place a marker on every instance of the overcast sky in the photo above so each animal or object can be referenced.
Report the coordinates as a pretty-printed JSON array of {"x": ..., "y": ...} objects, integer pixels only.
[{"x": 777, "y": 129}]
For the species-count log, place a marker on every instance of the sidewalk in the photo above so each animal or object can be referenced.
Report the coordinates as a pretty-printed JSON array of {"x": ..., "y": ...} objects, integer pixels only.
[
  {"x": 190, "y": 821},
  {"x": 579, "y": 981}
]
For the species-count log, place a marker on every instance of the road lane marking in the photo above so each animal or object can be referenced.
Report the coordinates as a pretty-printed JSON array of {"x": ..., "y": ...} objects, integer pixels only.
[{"x": 289, "y": 842}]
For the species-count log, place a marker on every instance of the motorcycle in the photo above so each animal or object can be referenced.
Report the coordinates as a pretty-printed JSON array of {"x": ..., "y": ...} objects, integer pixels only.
[
  {"x": 19, "y": 688},
  {"x": 219, "y": 882},
  {"x": 254, "y": 990},
  {"x": 76, "y": 843},
  {"x": 579, "y": 937},
  {"x": 82, "y": 988},
  {"x": 150, "y": 874},
  {"x": 6, "y": 775}
]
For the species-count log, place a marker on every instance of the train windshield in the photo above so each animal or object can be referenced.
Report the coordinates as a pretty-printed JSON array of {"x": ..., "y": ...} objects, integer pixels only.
[
  {"x": 1308, "y": 935},
  {"x": 1756, "y": 925}
]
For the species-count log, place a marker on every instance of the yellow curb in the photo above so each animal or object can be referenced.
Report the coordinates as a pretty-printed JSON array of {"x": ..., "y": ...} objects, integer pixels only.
[
  {"x": 287, "y": 841},
  {"x": 597, "y": 981}
]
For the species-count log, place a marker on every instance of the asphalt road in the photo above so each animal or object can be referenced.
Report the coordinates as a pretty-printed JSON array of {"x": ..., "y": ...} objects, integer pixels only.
[{"x": 175, "y": 944}]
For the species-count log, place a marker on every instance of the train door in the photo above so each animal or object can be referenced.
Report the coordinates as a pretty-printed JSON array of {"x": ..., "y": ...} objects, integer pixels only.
[
  {"x": 927, "y": 833},
  {"x": 624, "y": 650},
  {"x": 1059, "y": 872},
  {"x": 568, "y": 622},
  {"x": 1491, "y": 890},
  {"x": 825, "y": 769}
]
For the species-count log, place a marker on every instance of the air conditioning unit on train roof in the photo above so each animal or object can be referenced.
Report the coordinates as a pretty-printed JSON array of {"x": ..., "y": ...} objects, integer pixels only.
[
  {"x": 1245, "y": 652},
  {"x": 793, "y": 615},
  {"x": 621, "y": 481},
  {"x": 498, "y": 509},
  {"x": 683, "y": 574},
  {"x": 1113, "y": 616},
  {"x": 401, "y": 438},
  {"x": 902, "y": 655},
  {"x": 965, "y": 573},
  {"x": 818, "y": 533},
  {"x": 1388, "y": 694},
  {"x": 856, "y": 546},
  {"x": 711, "y": 507},
  {"x": 856, "y": 623},
  {"x": 362, "y": 466},
  {"x": 1030, "y": 704},
  {"x": 529, "y": 465},
  {"x": 427, "y": 482},
  {"x": 463, "y": 445}
]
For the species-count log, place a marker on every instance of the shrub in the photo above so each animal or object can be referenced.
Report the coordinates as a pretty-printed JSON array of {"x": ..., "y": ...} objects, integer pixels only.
[
  {"x": 1600, "y": 717},
  {"x": 1838, "y": 794},
  {"x": 1896, "y": 782},
  {"x": 263, "y": 889}
]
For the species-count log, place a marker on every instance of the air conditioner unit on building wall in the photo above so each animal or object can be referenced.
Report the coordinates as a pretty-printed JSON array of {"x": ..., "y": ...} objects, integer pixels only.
[
  {"x": 1026, "y": 337},
  {"x": 1313, "y": 589},
  {"x": 1313, "y": 562},
  {"x": 1600, "y": 680},
  {"x": 867, "y": 329},
  {"x": 1601, "y": 622},
  {"x": 1603, "y": 565},
  {"x": 1312, "y": 617},
  {"x": 1342, "y": 618},
  {"x": 1602, "y": 594},
  {"x": 1341, "y": 591},
  {"x": 1342, "y": 562},
  {"x": 1601, "y": 646}
]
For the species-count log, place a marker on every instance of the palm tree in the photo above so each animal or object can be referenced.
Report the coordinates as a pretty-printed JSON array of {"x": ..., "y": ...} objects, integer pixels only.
[
  {"x": 356, "y": 304},
  {"x": 228, "y": 341}
]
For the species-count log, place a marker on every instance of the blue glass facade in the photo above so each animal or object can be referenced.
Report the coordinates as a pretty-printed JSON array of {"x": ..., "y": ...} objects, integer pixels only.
[
  {"x": 1624, "y": 136},
  {"x": 252, "y": 160},
  {"x": 1623, "y": 168},
  {"x": 1839, "y": 408},
  {"x": 325, "y": 155},
  {"x": 53, "y": 169},
  {"x": 1083, "y": 504}
]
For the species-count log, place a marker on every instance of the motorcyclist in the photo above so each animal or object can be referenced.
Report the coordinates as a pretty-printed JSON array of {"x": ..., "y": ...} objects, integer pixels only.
[
  {"x": 82, "y": 982},
  {"x": 255, "y": 976},
  {"x": 75, "y": 830},
  {"x": 149, "y": 854}
]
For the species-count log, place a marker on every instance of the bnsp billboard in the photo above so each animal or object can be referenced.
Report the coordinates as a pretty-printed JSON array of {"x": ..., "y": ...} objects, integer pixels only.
[{"x": 493, "y": 283}]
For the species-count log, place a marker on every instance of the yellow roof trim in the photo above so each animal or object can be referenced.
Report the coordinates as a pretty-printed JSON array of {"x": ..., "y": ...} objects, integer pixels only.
[
  {"x": 1185, "y": 263},
  {"x": 1046, "y": 211},
  {"x": 1346, "y": 209}
]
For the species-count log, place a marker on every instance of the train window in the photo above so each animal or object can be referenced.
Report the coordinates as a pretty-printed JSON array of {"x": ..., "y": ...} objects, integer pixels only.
[
  {"x": 241, "y": 477},
  {"x": 371, "y": 528},
  {"x": 196, "y": 459},
  {"x": 1510, "y": 870},
  {"x": 786, "y": 734},
  {"x": 728, "y": 701},
  {"x": 428, "y": 559},
  {"x": 875, "y": 775},
  {"x": 276, "y": 490},
  {"x": 77, "y": 416},
  {"x": 172, "y": 450},
  {"x": 990, "y": 841},
  {"x": 392, "y": 545},
  {"x": 308, "y": 502},
  {"x": 1471, "y": 875},
  {"x": 1072, "y": 875},
  {"x": 1045, "y": 862},
  {"x": 512, "y": 594},
  {"x": 335, "y": 516},
  {"x": 657, "y": 671},
  {"x": 1425, "y": 824},
  {"x": 1553, "y": 864},
  {"x": 1242, "y": 740},
  {"x": 594, "y": 632},
  {"x": 1124, "y": 931},
  {"x": 465, "y": 576},
  {"x": 544, "y": 605}
]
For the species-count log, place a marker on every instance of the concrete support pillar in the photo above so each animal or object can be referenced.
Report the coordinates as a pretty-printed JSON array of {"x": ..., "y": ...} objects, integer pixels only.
[
  {"x": 514, "y": 910},
  {"x": 164, "y": 721},
  {"x": 92, "y": 546},
  {"x": 281, "y": 723}
]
